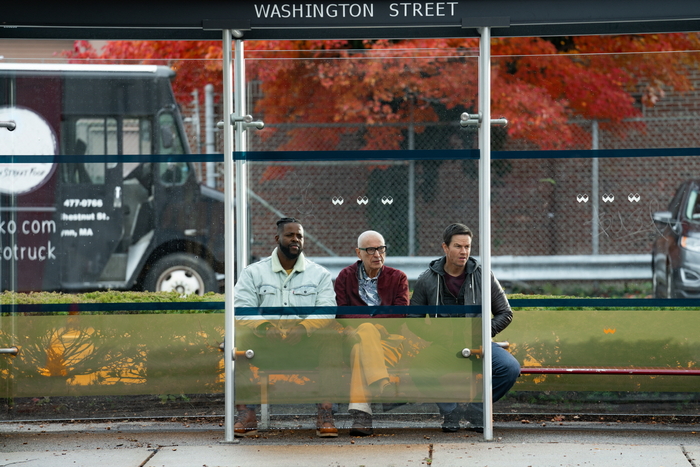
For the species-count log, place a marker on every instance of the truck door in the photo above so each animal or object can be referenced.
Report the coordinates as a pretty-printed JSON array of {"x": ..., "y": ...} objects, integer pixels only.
[
  {"x": 183, "y": 219},
  {"x": 106, "y": 203},
  {"x": 90, "y": 206}
]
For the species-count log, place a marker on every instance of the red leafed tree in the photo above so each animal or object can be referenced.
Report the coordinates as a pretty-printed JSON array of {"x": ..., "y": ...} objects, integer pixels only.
[{"x": 538, "y": 84}]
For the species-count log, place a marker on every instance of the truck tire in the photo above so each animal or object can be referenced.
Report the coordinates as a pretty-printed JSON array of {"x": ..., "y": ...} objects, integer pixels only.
[{"x": 183, "y": 273}]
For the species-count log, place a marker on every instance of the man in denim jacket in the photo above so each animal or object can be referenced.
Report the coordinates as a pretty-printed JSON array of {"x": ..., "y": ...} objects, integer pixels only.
[{"x": 287, "y": 279}]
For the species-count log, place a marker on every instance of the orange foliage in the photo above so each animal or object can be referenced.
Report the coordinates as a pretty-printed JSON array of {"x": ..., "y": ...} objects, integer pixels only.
[{"x": 538, "y": 84}]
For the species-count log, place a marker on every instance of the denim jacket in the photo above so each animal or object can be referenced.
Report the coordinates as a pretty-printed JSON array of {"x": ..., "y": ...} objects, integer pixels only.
[{"x": 266, "y": 284}]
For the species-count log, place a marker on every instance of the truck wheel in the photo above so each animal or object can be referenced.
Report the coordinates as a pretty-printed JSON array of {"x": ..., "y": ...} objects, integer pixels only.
[{"x": 182, "y": 273}]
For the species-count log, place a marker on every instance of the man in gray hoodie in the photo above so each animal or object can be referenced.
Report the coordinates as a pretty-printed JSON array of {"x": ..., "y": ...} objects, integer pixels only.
[{"x": 455, "y": 279}]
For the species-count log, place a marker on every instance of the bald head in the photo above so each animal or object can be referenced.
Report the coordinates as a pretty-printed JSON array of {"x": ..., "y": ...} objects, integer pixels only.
[
  {"x": 372, "y": 260},
  {"x": 369, "y": 235}
]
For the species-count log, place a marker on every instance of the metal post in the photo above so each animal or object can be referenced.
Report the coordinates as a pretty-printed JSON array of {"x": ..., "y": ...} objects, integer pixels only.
[
  {"x": 196, "y": 123},
  {"x": 485, "y": 220},
  {"x": 239, "y": 100},
  {"x": 241, "y": 145},
  {"x": 411, "y": 208},
  {"x": 595, "y": 145},
  {"x": 209, "y": 125},
  {"x": 411, "y": 180},
  {"x": 229, "y": 240}
]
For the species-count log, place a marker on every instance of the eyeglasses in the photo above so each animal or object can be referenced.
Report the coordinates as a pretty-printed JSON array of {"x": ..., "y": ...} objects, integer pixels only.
[{"x": 372, "y": 250}]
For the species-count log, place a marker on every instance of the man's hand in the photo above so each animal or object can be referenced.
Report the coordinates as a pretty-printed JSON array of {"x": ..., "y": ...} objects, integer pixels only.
[
  {"x": 295, "y": 334},
  {"x": 269, "y": 331},
  {"x": 382, "y": 331},
  {"x": 350, "y": 334},
  {"x": 273, "y": 334}
]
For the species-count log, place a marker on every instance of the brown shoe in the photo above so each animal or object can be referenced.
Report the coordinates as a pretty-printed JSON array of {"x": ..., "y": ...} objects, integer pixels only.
[
  {"x": 246, "y": 422},
  {"x": 325, "y": 428}
]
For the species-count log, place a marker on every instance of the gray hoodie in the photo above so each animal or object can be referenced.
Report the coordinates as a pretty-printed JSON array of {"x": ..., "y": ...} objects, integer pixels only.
[{"x": 430, "y": 290}]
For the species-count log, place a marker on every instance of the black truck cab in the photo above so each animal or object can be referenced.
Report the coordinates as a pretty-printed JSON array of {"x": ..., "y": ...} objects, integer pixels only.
[{"x": 96, "y": 188}]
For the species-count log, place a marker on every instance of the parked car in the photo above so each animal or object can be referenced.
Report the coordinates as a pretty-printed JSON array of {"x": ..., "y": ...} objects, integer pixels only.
[{"x": 676, "y": 253}]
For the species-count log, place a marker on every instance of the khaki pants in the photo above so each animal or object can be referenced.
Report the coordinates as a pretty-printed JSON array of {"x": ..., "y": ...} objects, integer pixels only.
[{"x": 369, "y": 360}]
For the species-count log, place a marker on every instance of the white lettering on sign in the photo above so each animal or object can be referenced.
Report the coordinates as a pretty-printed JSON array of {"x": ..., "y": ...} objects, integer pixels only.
[
  {"x": 83, "y": 203},
  {"x": 90, "y": 216},
  {"x": 12, "y": 248},
  {"x": 69, "y": 233},
  {"x": 34, "y": 227},
  {"x": 31, "y": 253},
  {"x": 422, "y": 9},
  {"x": 314, "y": 10},
  {"x": 32, "y": 136}
]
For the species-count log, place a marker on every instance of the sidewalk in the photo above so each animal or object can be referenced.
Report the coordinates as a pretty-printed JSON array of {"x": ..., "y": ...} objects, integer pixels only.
[{"x": 199, "y": 444}]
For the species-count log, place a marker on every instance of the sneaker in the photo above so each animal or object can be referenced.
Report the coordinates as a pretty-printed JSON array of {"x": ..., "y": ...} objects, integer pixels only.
[
  {"x": 246, "y": 423},
  {"x": 474, "y": 427},
  {"x": 451, "y": 422},
  {"x": 325, "y": 427},
  {"x": 474, "y": 416},
  {"x": 361, "y": 423}
]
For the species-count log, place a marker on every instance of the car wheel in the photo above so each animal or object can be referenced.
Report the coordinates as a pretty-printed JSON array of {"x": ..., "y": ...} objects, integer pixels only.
[
  {"x": 183, "y": 273},
  {"x": 670, "y": 288}
]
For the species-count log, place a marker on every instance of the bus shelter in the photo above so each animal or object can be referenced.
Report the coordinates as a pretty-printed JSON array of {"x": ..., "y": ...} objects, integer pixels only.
[{"x": 308, "y": 194}]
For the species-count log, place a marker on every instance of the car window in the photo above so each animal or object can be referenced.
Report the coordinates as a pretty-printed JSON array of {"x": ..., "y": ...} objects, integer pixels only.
[
  {"x": 675, "y": 204},
  {"x": 692, "y": 210}
]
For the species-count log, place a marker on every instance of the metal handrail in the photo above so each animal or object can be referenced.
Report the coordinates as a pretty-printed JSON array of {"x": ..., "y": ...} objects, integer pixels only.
[
  {"x": 14, "y": 350},
  {"x": 525, "y": 268},
  {"x": 610, "y": 371}
]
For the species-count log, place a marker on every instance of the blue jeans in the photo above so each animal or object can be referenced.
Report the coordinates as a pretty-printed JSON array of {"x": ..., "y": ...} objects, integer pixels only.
[{"x": 505, "y": 371}]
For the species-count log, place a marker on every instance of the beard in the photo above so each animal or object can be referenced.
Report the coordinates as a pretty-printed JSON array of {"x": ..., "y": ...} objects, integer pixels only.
[{"x": 287, "y": 252}]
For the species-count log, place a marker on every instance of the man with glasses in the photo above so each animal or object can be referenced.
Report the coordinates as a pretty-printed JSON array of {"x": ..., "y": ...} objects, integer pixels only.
[
  {"x": 369, "y": 283},
  {"x": 455, "y": 279},
  {"x": 287, "y": 279}
]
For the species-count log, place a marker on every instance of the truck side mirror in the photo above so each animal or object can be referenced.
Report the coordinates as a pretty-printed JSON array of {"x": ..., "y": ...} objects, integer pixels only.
[{"x": 166, "y": 137}]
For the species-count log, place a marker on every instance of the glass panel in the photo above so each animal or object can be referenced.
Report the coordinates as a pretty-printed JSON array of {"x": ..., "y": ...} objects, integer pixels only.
[
  {"x": 75, "y": 220},
  {"x": 347, "y": 360},
  {"x": 117, "y": 354},
  {"x": 623, "y": 340},
  {"x": 66, "y": 364},
  {"x": 336, "y": 196},
  {"x": 156, "y": 227},
  {"x": 593, "y": 219},
  {"x": 620, "y": 338}
]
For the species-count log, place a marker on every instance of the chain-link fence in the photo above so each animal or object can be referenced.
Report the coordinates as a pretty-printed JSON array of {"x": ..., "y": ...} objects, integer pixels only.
[{"x": 540, "y": 206}]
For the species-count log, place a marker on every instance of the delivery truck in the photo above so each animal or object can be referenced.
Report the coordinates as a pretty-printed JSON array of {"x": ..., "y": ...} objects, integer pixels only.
[{"x": 98, "y": 189}]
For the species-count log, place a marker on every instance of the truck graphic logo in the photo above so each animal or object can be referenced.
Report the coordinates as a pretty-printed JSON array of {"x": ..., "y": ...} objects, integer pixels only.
[{"x": 32, "y": 136}]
